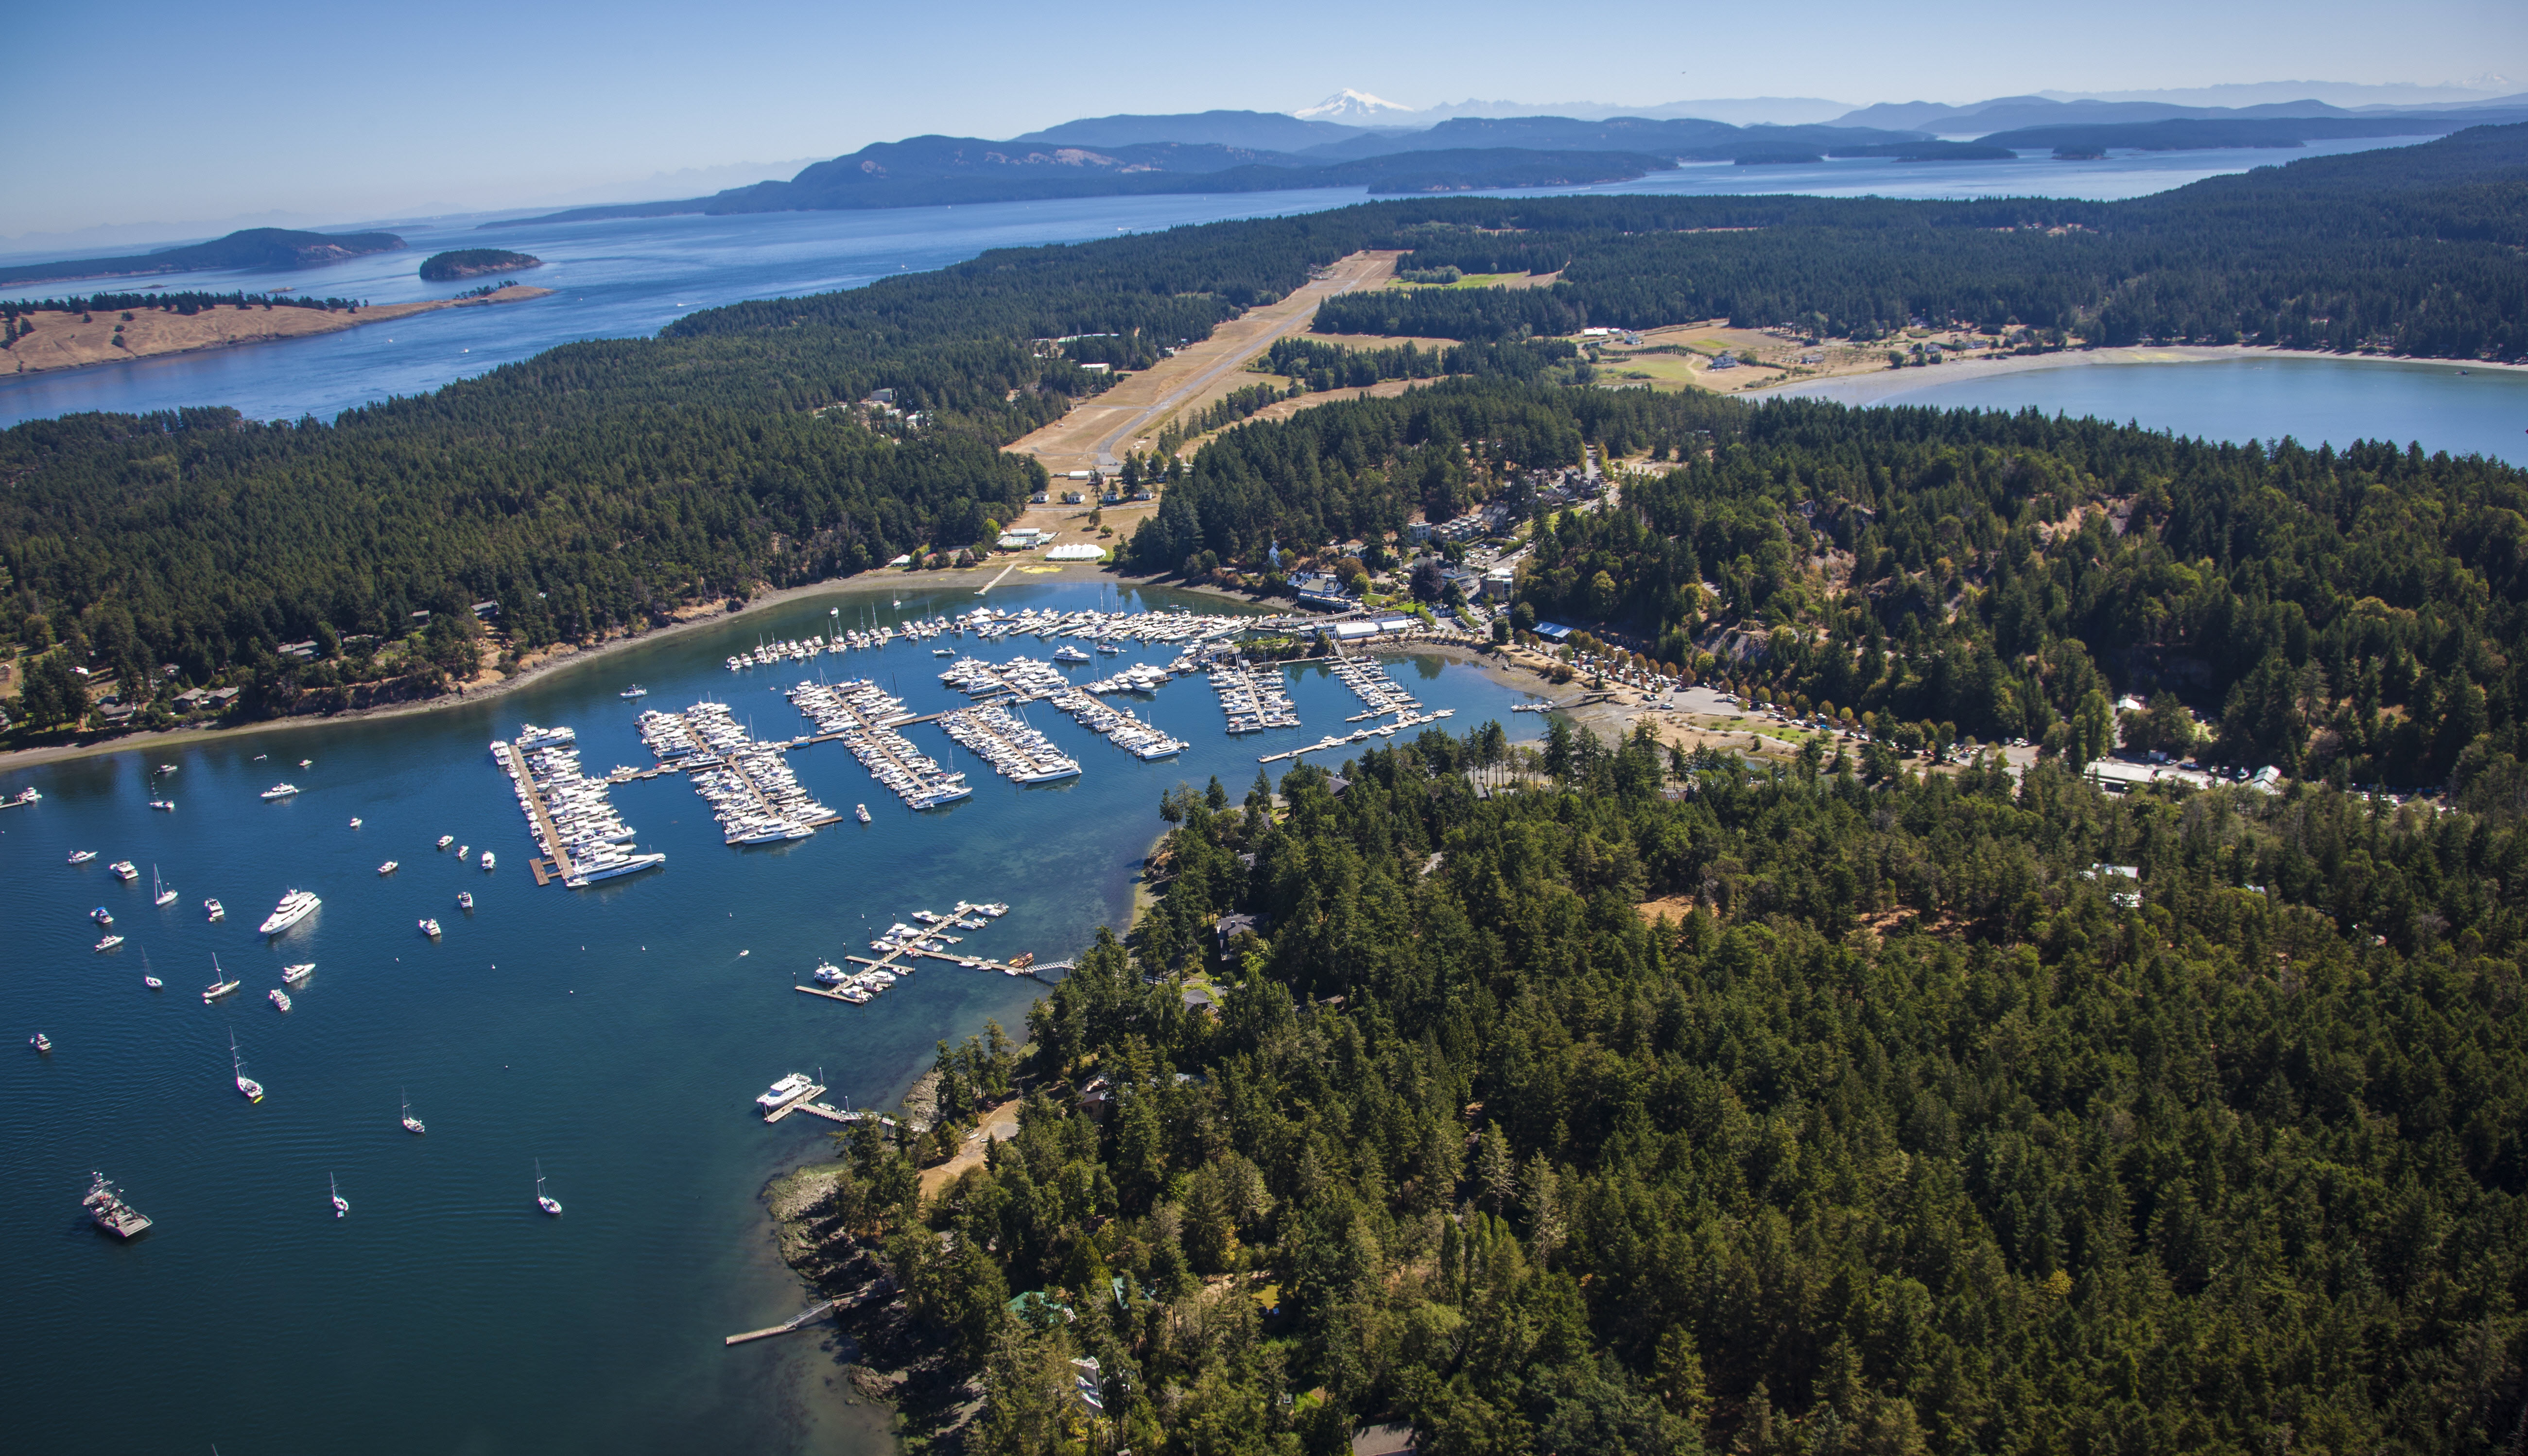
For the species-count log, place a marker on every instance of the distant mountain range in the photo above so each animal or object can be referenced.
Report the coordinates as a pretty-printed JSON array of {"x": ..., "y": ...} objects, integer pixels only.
[
  {"x": 254, "y": 247},
  {"x": 1351, "y": 139}
]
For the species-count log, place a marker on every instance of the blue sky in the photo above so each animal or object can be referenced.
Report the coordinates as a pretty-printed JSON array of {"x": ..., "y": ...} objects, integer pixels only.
[{"x": 134, "y": 111}]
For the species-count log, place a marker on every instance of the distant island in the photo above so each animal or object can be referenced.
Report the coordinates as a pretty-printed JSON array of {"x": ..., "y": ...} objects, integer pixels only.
[
  {"x": 474, "y": 262},
  {"x": 44, "y": 335},
  {"x": 254, "y": 247}
]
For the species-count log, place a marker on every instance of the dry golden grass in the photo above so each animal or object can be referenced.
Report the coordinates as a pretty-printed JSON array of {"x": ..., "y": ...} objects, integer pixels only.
[{"x": 69, "y": 341}]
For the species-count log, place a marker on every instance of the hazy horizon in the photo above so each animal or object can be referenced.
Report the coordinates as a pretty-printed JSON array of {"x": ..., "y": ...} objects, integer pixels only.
[{"x": 496, "y": 108}]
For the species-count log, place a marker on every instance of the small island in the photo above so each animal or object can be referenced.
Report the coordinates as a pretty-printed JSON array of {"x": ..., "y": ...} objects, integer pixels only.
[{"x": 474, "y": 262}]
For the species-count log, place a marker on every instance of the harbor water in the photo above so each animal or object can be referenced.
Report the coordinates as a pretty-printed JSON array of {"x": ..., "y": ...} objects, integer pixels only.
[{"x": 617, "y": 1033}]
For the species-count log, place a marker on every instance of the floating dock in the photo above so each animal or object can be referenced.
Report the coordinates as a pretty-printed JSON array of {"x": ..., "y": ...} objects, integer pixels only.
[{"x": 804, "y": 1318}]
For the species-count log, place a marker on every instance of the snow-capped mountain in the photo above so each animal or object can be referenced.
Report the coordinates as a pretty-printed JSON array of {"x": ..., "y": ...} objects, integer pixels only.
[{"x": 1354, "y": 109}]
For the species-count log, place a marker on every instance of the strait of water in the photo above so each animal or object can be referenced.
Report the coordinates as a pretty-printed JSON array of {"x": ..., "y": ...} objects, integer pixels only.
[
  {"x": 618, "y": 1035},
  {"x": 630, "y": 276},
  {"x": 2312, "y": 400}
]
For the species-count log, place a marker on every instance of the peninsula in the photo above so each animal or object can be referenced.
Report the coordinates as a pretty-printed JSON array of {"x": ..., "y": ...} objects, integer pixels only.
[
  {"x": 76, "y": 337},
  {"x": 254, "y": 247},
  {"x": 475, "y": 262}
]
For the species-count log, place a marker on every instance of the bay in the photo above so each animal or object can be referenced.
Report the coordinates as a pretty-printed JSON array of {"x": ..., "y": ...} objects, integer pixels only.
[
  {"x": 630, "y": 276},
  {"x": 2311, "y": 399},
  {"x": 618, "y": 1035}
]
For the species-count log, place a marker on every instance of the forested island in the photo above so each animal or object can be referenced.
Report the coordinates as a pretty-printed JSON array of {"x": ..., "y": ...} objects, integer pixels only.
[
  {"x": 1605, "y": 1097},
  {"x": 474, "y": 262},
  {"x": 253, "y": 248}
]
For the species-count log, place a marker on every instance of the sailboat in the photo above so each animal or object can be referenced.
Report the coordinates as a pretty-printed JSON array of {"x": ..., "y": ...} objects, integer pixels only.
[
  {"x": 246, "y": 1086},
  {"x": 164, "y": 895},
  {"x": 549, "y": 1206},
  {"x": 147, "y": 976},
  {"x": 220, "y": 984},
  {"x": 412, "y": 1124},
  {"x": 342, "y": 1205}
]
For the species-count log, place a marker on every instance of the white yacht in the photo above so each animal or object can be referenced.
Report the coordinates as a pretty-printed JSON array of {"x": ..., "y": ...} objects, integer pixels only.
[
  {"x": 280, "y": 791},
  {"x": 386, "y": 869},
  {"x": 635, "y": 691},
  {"x": 168, "y": 805},
  {"x": 784, "y": 1092},
  {"x": 445, "y": 840},
  {"x": 108, "y": 943},
  {"x": 488, "y": 861},
  {"x": 124, "y": 871},
  {"x": 430, "y": 928},
  {"x": 214, "y": 910},
  {"x": 294, "y": 906},
  {"x": 860, "y": 812},
  {"x": 293, "y": 974},
  {"x": 591, "y": 871},
  {"x": 465, "y": 899},
  {"x": 278, "y": 996},
  {"x": 81, "y": 856},
  {"x": 355, "y": 821}
]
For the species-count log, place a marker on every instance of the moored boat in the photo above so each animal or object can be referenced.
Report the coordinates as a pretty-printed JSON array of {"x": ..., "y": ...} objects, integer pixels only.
[
  {"x": 108, "y": 943},
  {"x": 278, "y": 996},
  {"x": 81, "y": 856},
  {"x": 280, "y": 791},
  {"x": 430, "y": 928},
  {"x": 294, "y": 906},
  {"x": 214, "y": 910},
  {"x": 293, "y": 974},
  {"x": 107, "y": 1209}
]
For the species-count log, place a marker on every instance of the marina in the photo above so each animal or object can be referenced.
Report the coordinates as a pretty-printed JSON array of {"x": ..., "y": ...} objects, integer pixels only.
[
  {"x": 1016, "y": 752},
  {"x": 498, "y": 1028},
  {"x": 1257, "y": 698},
  {"x": 569, "y": 815}
]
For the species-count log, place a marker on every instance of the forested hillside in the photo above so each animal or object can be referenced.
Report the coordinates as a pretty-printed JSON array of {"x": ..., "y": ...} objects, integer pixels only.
[
  {"x": 602, "y": 482},
  {"x": 2360, "y": 614},
  {"x": 1900, "y": 1135},
  {"x": 2412, "y": 249}
]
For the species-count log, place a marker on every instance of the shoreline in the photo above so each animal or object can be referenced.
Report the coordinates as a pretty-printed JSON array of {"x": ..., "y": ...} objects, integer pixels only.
[
  {"x": 196, "y": 333},
  {"x": 869, "y": 582},
  {"x": 1863, "y": 390}
]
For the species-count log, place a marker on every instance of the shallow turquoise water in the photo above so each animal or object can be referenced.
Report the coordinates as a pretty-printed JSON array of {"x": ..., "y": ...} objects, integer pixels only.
[{"x": 618, "y": 1034}]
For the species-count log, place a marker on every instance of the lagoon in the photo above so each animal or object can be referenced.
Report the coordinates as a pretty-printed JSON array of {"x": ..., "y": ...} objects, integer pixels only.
[
  {"x": 2215, "y": 396},
  {"x": 618, "y": 1035}
]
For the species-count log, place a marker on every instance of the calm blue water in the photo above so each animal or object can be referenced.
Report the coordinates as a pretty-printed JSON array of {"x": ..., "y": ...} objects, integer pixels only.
[
  {"x": 617, "y": 1033},
  {"x": 2482, "y": 411},
  {"x": 631, "y": 277}
]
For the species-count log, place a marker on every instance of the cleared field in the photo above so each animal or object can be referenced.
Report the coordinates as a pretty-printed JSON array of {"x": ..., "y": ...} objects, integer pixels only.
[{"x": 70, "y": 340}]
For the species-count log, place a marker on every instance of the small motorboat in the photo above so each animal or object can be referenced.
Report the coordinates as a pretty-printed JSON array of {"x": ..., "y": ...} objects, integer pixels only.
[
  {"x": 356, "y": 823},
  {"x": 278, "y": 996},
  {"x": 108, "y": 943},
  {"x": 445, "y": 840},
  {"x": 40, "y": 1042},
  {"x": 430, "y": 928},
  {"x": 152, "y": 982},
  {"x": 635, "y": 691},
  {"x": 167, "y": 768},
  {"x": 215, "y": 910},
  {"x": 386, "y": 869},
  {"x": 124, "y": 870},
  {"x": 293, "y": 974},
  {"x": 461, "y": 848},
  {"x": 169, "y": 805},
  {"x": 81, "y": 856},
  {"x": 465, "y": 899},
  {"x": 860, "y": 812},
  {"x": 306, "y": 762},
  {"x": 101, "y": 915},
  {"x": 488, "y": 861}
]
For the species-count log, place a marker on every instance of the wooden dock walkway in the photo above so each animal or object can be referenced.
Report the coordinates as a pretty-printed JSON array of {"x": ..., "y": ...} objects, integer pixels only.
[
  {"x": 802, "y": 1321},
  {"x": 515, "y": 765}
]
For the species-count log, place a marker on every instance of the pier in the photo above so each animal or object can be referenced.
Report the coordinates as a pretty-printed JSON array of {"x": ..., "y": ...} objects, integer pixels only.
[
  {"x": 804, "y": 1318},
  {"x": 530, "y": 798}
]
